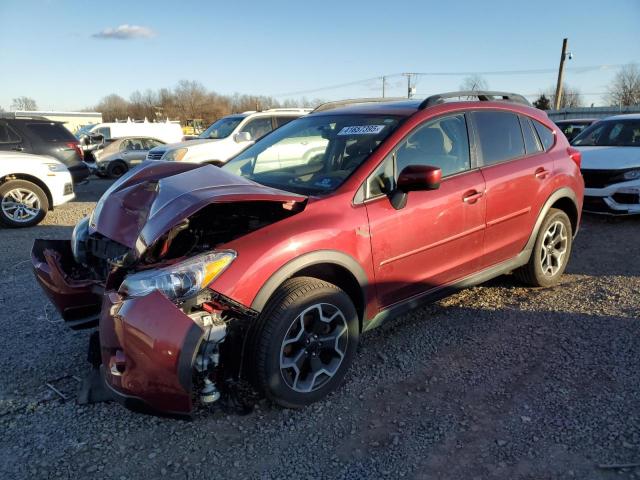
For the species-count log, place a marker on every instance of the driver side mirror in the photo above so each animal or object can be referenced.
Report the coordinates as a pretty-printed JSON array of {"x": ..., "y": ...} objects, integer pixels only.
[
  {"x": 242, "y": 137},
  {"x": 415, "y": 178}
]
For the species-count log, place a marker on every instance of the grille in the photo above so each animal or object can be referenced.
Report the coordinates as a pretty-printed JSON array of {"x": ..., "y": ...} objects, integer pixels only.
[
  {"x": 601, "y": 178},
  {"x": 595, "y": 204},
  {"x": 627, "y": 198},
  {"x": 155, "y": 155},
  {"x": 68, "y": 188}
]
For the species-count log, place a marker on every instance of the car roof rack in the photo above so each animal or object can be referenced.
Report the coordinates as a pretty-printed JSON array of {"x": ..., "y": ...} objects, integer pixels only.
[
  {"x": 354, "y": 101},
  {"x": 481, "y": 95},
  {"x": 13, "y": 116}
]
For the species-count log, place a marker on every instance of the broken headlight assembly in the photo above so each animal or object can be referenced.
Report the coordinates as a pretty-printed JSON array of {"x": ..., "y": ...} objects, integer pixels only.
[
  {"x": 79, "y": 240},
  {"x": 180, "y": 280}
]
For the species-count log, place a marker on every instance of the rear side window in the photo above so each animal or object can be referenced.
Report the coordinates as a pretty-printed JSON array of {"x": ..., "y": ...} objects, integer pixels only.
[
  {"x": 7, "y": 134},
  {"x": 280, "y": 121},
  {"x": 500, "y": 136},
  {"x": 545, "y": 134},
  {"x": 51, "y": 132},
  {"x": 531, "y": 143},
  {"x": 258, "y": 128}
]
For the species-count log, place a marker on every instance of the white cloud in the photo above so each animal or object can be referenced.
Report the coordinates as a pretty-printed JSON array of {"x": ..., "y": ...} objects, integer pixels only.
[{"x": 126, "y": 32}]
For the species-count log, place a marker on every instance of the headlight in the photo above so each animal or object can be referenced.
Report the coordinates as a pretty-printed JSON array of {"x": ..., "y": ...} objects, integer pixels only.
[
  {"x": 79, "y": 240},
  {"x": 181, "y": 280},
  {"x": 632, "y": 174},
  {"x": 175, "y": 155},
  {"x": 56, "y": 167}
]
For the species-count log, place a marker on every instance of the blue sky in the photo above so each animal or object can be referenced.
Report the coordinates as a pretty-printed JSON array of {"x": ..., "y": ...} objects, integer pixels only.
[{"x": 50, "y": 50}]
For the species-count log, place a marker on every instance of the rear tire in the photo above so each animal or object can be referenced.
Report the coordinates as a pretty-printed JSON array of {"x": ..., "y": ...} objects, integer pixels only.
[
  {"x": 305, "y": 341},
  {"x": 116, "y": 169},
  {"x": 551, "y": 252},
  {"x": 22, "y": 204}
]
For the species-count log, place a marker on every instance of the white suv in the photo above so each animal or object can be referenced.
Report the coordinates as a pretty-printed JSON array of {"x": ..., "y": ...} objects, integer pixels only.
[
  {"x": 227, "y": 137},
  {"x": 30, "y": 186}
]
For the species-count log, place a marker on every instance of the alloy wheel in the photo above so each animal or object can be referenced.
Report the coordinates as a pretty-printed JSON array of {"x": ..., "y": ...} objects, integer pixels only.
[
  {"x": 553, "y": 248},
  {"x": 314, "y": 347},
  {"x": 21, "y": 205}
]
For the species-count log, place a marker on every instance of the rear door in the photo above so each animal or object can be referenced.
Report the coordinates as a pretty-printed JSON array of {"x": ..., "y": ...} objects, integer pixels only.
[
  {"x": 517, "y": 171},
  {"x": 437, "y": 237}
]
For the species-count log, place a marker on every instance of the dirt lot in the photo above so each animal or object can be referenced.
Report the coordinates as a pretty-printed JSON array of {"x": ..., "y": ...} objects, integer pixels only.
[{"x": 498, "y": 381}]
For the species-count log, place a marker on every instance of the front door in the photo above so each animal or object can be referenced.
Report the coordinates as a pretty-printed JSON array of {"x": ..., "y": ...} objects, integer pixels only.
[{"x": 437, "y": 237}]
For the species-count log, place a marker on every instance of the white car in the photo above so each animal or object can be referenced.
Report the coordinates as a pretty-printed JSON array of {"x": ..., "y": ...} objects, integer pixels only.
[
  {"x": 30, "y": 186},
  {"x": 611, "y": 165},
  {"x": 227, "y": 137},
  {"x": 167, "y": 132}
]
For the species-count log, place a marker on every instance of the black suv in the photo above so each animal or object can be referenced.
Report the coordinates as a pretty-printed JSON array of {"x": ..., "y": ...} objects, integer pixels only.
[{"x": 43, "y": 137}]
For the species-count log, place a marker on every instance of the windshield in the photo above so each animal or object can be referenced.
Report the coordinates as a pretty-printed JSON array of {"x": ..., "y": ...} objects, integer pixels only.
[
  {"x": 313, "y": 154},
  {"x": 222, "y": 128},
  {"x": 610, "y": 133}
]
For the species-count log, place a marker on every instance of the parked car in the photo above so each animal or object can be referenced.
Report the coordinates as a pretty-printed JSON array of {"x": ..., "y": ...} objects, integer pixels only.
[
  {"x": 43, "y": 137},
  {"x": 30, "y": 186},
  {"x": 227, "y": 137},
  {"x": 203, "y": 277},
  {"x": 611, "y": 165},
  {"x": 571, "y": 128},
  {"x": 167, "y": 132},
  {"x": 117, "y": 157}
]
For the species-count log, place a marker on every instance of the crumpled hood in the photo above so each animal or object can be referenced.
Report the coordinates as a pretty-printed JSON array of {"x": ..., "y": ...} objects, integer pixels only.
[
  {"x": 610, "y": 158},
  {"x": 151, "y": 199}
]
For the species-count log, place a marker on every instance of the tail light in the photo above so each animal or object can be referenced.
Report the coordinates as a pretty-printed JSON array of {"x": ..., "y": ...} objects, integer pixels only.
[
  {"x": 575, "y": 155},
  {"x": 76, "y": 146}
]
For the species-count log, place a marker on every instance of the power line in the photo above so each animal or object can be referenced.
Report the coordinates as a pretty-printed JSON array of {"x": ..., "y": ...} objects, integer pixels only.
[{"x": 584, "y": 69}]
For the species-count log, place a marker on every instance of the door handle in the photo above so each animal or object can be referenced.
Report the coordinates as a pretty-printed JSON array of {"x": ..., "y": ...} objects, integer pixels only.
[
  {"x": 541, "y": 173},
  {"x": 472, "y": 196}
]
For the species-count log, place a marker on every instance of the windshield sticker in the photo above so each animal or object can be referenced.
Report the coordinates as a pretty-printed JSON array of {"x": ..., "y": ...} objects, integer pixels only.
[
  {"x": 325, "y": 182},
  {"x": 361, "y": 130}
]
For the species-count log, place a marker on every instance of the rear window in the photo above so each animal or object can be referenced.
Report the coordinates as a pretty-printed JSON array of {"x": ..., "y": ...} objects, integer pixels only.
[
  {"x": 500, "y": 136},
  {"x": 530, "y": 138},
  {"x": 51, "y": 132},
  {"x": 545, "y": 134}
]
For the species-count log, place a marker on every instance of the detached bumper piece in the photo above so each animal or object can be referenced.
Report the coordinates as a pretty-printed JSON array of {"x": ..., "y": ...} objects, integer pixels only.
[
  {"x": 621, "y": 198},
  {"x": 75, "y": 296},
  {"x": 148, "y": 347}
]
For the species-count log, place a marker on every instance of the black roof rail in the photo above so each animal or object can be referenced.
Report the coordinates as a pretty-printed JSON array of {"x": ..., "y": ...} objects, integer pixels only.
[
  {"x": 354, "y": 101},
  {"x": 481, "y": 95}
]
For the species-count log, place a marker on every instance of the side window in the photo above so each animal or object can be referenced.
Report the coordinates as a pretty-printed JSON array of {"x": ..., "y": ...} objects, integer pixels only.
[
  {"x": 126, "y": 145},
  {"x": 442, "y": 143},
  {"x": 8, "y": 135},
  {"x": 280, "y": 121},
  {"x": 104, "y": 131},
  {"x": 500, "y": 136},
  {"x": 150, "y": 143},
  {"x": 258, "y": 128},
  {"x": 546, "y": 135},
  {"x": 531, "y": 143}
]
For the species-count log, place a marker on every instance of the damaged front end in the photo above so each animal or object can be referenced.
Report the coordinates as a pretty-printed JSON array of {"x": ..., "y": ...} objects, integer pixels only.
[{"x": 142, "y": 267}]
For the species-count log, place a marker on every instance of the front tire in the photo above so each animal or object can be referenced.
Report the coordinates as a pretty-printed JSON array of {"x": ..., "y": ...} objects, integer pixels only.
[
  {"x": 307, "y": 337},
  {"x": 22, "y": 204},
  {"x": 551, "y": 251}
]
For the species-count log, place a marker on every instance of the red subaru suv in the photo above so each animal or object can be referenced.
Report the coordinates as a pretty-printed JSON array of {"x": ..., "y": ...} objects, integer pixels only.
[{"x": 267, "y": 270}]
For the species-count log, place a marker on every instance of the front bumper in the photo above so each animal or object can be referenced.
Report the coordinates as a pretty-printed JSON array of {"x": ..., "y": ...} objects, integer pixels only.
[
  {"x": 148, "y": 347},
  {"x": 147, "y": 344},
  {"x": 617, "y": 199}
]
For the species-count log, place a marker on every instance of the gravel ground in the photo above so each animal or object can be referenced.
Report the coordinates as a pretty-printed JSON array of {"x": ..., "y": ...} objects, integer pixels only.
[{"x": 498, "y": 381}]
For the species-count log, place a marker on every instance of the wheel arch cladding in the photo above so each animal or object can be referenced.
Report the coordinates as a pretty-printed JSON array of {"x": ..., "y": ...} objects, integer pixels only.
[
  {"x": 569, "y": 207},
  {"x": 32, "y": 179},
  {"x": 559, "y": 197},
  {"x": 333, "y": 267}
]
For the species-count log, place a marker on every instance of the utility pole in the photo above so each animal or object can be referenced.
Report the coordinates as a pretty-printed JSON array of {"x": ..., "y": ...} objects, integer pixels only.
[
  {"x": 384, "y": 79},
  {"x": 563, "y": 56},
  {"x": 408, "y": 75}
]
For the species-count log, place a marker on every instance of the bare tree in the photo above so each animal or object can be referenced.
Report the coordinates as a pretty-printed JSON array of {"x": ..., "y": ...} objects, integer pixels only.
[
  {"x": 24, "y": 103},
  {"x": 625, "y": 89},
  {"x": 571, "y": 96},
  {"x": 474, "y": 83},
  {"x": 113, "y": 107}
]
